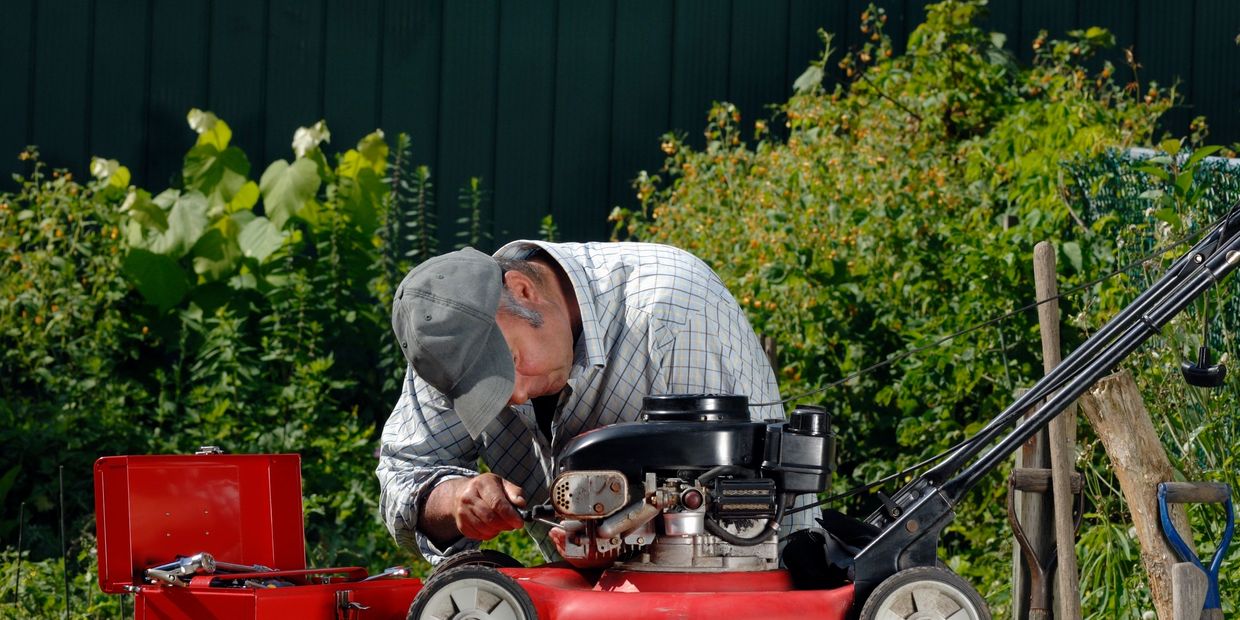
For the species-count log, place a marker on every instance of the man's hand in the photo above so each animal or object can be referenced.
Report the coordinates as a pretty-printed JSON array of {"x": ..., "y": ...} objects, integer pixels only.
[{"x": 480, "y": 508}]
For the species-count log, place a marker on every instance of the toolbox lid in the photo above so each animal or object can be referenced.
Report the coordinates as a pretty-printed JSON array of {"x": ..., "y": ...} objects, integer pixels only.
[{"x": 241, "y": 508}]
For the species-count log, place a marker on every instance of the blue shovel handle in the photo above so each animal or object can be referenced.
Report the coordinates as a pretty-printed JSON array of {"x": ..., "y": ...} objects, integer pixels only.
[{"x": 1197, "y": 493}]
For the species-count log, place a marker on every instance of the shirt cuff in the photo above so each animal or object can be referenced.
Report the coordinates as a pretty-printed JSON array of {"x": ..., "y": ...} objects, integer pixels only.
[{"x": 428, "y": 549}]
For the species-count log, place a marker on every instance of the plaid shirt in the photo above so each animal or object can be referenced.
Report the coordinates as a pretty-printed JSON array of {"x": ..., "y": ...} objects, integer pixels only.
[{"x": 655, "y": 320}]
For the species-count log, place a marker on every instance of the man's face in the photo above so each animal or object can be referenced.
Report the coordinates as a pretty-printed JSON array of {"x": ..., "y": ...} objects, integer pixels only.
[{"x": 542, "y": 356}]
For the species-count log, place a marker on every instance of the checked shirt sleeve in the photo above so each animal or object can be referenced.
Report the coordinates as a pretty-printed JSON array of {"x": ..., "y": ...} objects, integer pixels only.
[{"x": 424, "y": 443}]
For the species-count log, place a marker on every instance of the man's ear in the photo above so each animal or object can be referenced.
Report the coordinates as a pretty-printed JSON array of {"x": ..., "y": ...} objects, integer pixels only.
[{"x": 521, "y": 286}]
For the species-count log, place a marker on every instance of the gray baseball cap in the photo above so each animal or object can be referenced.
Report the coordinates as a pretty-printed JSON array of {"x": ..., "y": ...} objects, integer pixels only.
[{"x": 444, "y": 318}]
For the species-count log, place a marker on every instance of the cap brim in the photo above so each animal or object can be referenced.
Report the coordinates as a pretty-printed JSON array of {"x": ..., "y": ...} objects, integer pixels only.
[{"x": 486, "y": 387}]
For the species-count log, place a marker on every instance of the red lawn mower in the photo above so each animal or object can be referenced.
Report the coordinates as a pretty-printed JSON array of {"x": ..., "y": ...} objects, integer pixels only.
[{"x": 687, "y": 500}]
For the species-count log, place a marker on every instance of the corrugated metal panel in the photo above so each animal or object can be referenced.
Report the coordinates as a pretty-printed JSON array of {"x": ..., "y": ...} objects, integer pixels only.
[
  {"x": 583, "y": 98},
  {"x": 236, "y": 75},
  {"x": 16, "y": 65},
  {"x": 61, "y": 97},
  {"x": 467, "y": 98},
  {"x": 351, "y": 69},
  {"x": 641, "y": 92},
  {"x": 524, "y": 116},
  {"x": 178, "y": 71},
  {"x": 1216, "y": 66},
  {"x": 758, "y": 69},
  {"x": 1164, "y": 50},
  {"x": 701, "y": 40},
  {"x": 556, "y": 104},
  {"x": 118, "y": 80},
  {"x": 410, "y": 79}
]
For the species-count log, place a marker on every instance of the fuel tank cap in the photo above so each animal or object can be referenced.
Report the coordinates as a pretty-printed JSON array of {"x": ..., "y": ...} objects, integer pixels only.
[{"x": 695, "y": 408}]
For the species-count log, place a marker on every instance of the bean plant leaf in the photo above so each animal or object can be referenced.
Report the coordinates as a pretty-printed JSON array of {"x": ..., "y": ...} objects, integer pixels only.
[
  {"x": 216, "y": 255},
  {"x": 287, "y": 188},
  {"x": 259, "y": 239},
  {"x": 186, "y": 221},
  {"x": 160, "y": 280},
  {"x": 1201, "y": 154},
  {"x": 810, "y": 79},
  {"x": 218, "y": 174},
  {"x": 245, "y": 199},
  {"x": 144, "y": 211},
  {"x": 219, "y": 134},
  {"x": 1072, "y": 251}
]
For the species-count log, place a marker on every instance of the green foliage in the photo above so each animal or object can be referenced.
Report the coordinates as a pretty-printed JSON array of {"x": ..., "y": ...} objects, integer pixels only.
[
  {"x": 896, "y": 209},
  {"x": 473, "y": 232},
  {"x": 224, "y": 310},
  {"x": 1174, "y": 191}
]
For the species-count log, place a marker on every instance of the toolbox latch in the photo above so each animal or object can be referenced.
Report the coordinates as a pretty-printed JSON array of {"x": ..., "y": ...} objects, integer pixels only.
[
  {"x": 206, "y": 450},
  {"x": 346, "y": 607}
]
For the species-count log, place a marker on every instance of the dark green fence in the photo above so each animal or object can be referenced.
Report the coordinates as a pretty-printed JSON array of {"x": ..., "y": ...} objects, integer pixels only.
[{"x": 555, "y": 104}]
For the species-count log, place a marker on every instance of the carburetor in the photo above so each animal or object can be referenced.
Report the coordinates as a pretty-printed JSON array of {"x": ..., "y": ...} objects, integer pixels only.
[{"x": 693, "y": 485}]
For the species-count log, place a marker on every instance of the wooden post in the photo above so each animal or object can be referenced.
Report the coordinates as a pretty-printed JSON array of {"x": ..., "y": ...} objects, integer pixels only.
[
  {"x": 1033, "y": 512},
  {"x": 1062, "y": 439},
  {"x": 1115, "y": 409}
]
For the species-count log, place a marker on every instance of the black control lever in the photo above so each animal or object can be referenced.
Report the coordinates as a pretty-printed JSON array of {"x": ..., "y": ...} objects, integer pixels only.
[{"x": 1203, "y": 374}]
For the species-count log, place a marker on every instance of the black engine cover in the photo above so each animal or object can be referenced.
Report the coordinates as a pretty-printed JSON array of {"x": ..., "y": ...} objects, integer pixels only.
[{"x": 696, "y": 433}]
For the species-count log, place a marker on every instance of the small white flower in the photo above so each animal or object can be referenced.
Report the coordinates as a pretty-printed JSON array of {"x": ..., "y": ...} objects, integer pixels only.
[
  {"x": 306, "y": 139},
  {"x": 1149, "y": 615},
  {"x": 103, "y": 169},
  {"x": 1132, "y": 532},
  {"x": 201, "y": 121}
]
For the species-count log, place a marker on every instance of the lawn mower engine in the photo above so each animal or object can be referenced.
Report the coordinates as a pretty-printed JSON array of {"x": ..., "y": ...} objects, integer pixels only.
[{"x": 694, "y": 486}]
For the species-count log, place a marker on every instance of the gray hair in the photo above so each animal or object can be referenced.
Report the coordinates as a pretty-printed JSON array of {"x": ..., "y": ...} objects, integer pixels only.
[{"x": 508, "y": 304}]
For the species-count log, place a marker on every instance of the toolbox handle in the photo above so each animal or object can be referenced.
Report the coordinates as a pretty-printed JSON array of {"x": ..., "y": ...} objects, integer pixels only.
[{"x": 352, "y": 573}]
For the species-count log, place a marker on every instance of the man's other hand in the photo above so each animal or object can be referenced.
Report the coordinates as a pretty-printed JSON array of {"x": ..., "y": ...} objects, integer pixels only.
[{"x": 480, "y": 508}]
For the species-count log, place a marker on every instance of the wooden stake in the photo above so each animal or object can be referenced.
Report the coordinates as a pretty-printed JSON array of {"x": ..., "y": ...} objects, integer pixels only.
[
  {"x": 1062, "y": 441},
  {"x": 1115, "y": 409}
]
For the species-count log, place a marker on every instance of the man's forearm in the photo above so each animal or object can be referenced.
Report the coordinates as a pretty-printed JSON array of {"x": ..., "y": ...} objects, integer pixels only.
[{"x": 436, "y": 519}]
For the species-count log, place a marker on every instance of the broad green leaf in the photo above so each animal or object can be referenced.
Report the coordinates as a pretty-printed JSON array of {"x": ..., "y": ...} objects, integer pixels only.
[
  {"x": 187, "y": 219},
  {"x": 215, "y": 255},
  {"x": 120, "y": 178},
  {"x": 1183, "y": 181},
  {"x": 160, "y": 280},
  {"x": 1201, "y": 154},
  {"x": 1072, "y": 251},
  {"x": 245, "y": 199},
  {"x": 144, "y": 211},
  {"x": 810, "y": 79},
  {"x": 373, "y": 151},
  {"x": 218, "y": 174},
  {"x": 210, "y": 129},
  {"x": 1169, "y": 216},
  {"x": 1155, "y": 171},
  {"x": 364, "y": 195},
  {"x": 1170, "y": 146},
  {"x": 260, "y": 239},
  {"x": 218, "y": 135},
  {"x": 287, "y": 188}
]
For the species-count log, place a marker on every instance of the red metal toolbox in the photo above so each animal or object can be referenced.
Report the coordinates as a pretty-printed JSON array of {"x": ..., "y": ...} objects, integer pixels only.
[{"x": 242, "y": 510}]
